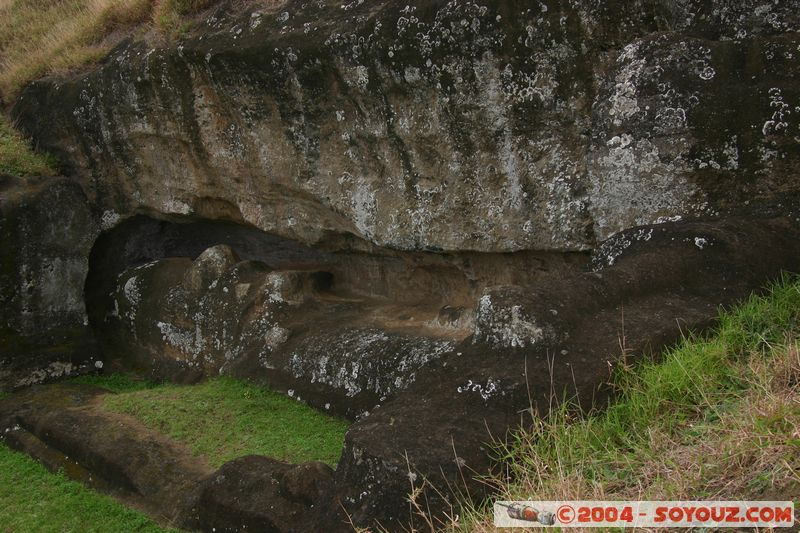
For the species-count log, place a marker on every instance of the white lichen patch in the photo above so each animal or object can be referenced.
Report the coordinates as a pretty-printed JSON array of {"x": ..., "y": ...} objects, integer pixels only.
[
  {"x": 667, "y": 219},
  {"x": 55, "y": 370},
  {"x": 190, "y": 343},
  {"x": 619, "y": 197},
  {"x": 275, "y": 284},
  {"x": 275, "y": 337},
  {"x": 364, "y": 360},
  {"x": 781, "y": 111},
  {"x": 109, "y": 219},
  {"x": 624, "y": 101},
  {"x": 364, "y": 206},
  {"x": 613, "y": 247},
  {"x": 505, "y": 326},
  {"x": 484, "y": 390},
  {"x": 132, "y": 294},
  {"x": 173, "y": 205}
]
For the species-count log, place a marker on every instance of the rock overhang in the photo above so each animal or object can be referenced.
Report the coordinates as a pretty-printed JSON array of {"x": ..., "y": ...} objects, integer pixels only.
[
  {"x": 448, "y": 126},
  {"x": 455, "y": 127}
]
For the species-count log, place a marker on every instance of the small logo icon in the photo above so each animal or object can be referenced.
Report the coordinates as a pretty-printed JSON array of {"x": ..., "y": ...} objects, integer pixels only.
[{"x": 527, "y": 513}]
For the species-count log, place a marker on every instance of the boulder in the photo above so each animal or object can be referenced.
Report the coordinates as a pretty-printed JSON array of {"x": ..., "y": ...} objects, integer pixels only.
[
  {"x": 255, "y": 493},
  {"x": 181, "y": 320},
  {"x": 536, "y": 345},
  {"x": 46, "y": 232},
  {"x": 439, "y": 125},
  {"x": 435, "y": 218}
]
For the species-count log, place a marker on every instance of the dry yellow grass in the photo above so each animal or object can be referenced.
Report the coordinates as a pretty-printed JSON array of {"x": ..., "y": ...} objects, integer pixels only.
[
  {"x": 717, "y": 419},
  {"x": 41, "y": 37},
  {"x": 168, "y": 14},
  {"x": 750, "y": 451}
]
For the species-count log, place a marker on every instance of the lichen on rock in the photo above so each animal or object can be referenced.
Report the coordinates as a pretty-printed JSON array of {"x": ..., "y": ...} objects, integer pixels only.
[
  {"x": 429, "y": 217},
  {"x": 445, "y": 126}
]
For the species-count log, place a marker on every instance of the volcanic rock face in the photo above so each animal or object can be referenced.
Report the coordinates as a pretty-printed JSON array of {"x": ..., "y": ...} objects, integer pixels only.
[
  {"x": 440, "y": 125},
  {"x": 428, "y": 217},
  {"x": 46, "y": 233},
  {"x": 260, "y": 494},
  {"x": 342, "y": 331},
  {"x": 183, "y": 320}
]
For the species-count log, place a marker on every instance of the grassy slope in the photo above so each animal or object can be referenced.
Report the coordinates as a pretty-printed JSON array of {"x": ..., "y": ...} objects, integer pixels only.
[
  {"x": 119, "y": 383},
  {"x": 16, "y": 156},
  {"x": 225, "y": 418},
  {"x": 221, "y": 419},
  {"x": 717, "y": 418},
  {"x": 33, "y": 499},
  {"x": 40, "y": 37}
]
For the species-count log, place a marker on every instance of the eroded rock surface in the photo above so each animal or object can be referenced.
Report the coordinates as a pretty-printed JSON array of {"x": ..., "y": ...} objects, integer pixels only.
[
  {"x": 343, "y": 331},
  {"x": 537, "y": 344},
  {"x": 256, "y": 493},
  {"x": 216, "y": 315},
  {"x": 431, "y": 217},
  {"x": 46, "y": 232},
  {"x": 426, "y": 403},
  {"x": 456, "y": 125}
]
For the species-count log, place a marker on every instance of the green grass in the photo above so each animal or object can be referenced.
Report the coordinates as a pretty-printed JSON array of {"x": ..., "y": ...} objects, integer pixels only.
[
  {"x": 221, "y": 419},
  {"x": 17, "y": 158},
  {"x": 35, "y": 500},
  {"x": 700, "y": 373},
  {"x": 224, "y": 418},
  {"x": 118, "y": 383},
  {"x": 717, "y": 417}
]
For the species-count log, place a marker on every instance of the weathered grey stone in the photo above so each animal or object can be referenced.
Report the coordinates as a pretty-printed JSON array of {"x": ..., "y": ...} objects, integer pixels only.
[
  {"x": 46, "y": 233},
  {"x": 180, "y": 320},
  {"x": 441, "y": 125},
  {"x": 664, "y": 136},
  {"x": 209, "y": 267},
  {"x": 436, "y": 434},
  {"x": 201, "y": 316}
]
